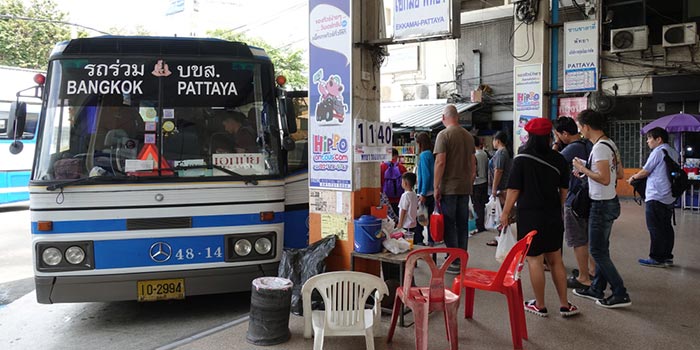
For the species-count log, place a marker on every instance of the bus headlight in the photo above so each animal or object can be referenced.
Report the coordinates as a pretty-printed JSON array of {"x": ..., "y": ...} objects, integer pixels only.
[
  {"x": 51, "y": 256},
  {"x": 242, "y": 247},
  {"x": 263, "y": 246},
  {"x": 75, "y": 255}
]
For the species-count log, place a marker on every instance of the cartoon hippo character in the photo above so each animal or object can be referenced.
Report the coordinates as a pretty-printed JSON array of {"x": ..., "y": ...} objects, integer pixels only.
[{"x": 331, "y": 103}]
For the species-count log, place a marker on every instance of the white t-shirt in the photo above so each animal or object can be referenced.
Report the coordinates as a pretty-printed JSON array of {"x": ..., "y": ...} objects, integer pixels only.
[
  {"x": 409, "y": 204},
  {"x": 596, "y": 190}
]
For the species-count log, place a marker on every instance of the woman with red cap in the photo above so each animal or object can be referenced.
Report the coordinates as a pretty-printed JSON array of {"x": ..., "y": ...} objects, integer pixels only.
[{"x": 538, "y": 182}]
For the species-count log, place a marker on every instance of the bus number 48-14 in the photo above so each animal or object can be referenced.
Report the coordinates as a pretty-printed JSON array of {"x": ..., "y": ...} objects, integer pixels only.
[{"x": 189, "y": 253}]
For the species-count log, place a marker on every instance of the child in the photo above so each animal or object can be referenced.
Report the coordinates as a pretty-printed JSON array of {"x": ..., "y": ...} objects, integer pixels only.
[{"x": 408, "y": 205}]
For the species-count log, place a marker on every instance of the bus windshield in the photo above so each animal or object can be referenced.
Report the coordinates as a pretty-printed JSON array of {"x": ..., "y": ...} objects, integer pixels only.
[{"x": 159, "y": 117}]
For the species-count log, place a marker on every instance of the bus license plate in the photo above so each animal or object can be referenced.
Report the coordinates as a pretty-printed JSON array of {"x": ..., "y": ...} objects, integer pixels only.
[{"x": 161, "y": 289}]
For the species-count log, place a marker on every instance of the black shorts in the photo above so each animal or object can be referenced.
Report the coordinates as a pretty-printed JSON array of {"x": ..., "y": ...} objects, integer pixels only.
[{"x": 550, "y": 229}]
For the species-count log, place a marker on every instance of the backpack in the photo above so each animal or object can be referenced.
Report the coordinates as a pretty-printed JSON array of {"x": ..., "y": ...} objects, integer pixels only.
[
  {"x": 392, "y": 181},
  {"x": 677, "y": 176}
]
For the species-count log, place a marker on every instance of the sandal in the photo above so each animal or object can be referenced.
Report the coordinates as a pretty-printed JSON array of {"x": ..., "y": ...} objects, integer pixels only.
[{"x": 492, "y": 243}]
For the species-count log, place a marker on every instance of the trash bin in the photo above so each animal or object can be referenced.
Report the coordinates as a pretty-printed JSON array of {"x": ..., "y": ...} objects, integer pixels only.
[
  {"x": 368, "y": 234},
  {"x": 270, "y": 303}
]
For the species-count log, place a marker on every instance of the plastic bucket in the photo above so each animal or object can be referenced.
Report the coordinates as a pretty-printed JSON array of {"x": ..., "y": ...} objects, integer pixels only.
[{"x": 368, "y": 234}]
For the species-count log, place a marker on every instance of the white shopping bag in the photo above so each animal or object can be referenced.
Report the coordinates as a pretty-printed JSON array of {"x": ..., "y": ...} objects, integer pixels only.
[
  {"x": 492, "y": 212},
  {"x": 506, "y": 241}
]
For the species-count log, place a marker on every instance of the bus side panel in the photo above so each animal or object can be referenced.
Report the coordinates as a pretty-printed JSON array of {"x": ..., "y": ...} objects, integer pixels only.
[
  {"x": 296, "y": 207},
  {"x": 13, "y": 186}
]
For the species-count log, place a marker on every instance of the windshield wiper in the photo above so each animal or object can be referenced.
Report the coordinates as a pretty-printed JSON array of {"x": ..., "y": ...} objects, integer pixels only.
[
  {"x": 87, "y": 180},
  {"x": 248, "y": 178}
]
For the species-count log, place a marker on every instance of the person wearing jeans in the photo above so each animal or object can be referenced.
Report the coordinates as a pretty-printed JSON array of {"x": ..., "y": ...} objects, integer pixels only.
[
  {"x": 659, "y": 199},
  {"x": 602, "y": 169},
  {"x": 455, "y": 170}
]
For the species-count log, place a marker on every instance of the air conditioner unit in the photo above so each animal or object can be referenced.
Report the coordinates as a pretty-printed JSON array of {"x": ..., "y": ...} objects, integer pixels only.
[
  {"x": 629, "y": 39},
  {"x": 422, "y": 92},
  {"x": 683, "y": 34}
]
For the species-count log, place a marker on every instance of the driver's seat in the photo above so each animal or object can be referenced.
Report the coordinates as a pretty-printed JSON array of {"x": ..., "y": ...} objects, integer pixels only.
[{"x": 116, "y": 147}]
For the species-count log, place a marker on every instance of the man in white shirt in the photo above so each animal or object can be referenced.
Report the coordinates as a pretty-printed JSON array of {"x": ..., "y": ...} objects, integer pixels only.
[{"x": 603, "y": 168}]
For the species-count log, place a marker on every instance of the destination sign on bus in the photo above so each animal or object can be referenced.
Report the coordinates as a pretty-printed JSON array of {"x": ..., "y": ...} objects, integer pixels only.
[{"x": 183, "y": 82}]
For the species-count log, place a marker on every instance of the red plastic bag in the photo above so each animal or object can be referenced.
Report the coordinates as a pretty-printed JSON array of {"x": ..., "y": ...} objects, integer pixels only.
[{"x": 437, "y": 225}]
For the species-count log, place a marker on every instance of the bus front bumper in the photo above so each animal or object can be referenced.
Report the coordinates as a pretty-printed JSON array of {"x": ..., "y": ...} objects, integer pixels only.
[{"x": 69, "y": 289}]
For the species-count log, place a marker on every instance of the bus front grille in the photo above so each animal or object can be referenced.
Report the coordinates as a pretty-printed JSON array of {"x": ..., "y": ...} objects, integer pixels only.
[{"x": 158, "y": 223}]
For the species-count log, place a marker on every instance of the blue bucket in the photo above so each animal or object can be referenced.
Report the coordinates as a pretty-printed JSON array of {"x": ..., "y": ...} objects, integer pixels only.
[{"x": 368, "y": 234}]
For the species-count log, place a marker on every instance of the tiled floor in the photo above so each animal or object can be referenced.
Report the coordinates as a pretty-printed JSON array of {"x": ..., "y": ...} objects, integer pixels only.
[{"x": 665, "y": 311}]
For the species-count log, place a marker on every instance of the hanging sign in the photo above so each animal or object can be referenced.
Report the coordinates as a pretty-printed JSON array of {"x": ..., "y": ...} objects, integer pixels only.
[{"x": 580, "y": 56}]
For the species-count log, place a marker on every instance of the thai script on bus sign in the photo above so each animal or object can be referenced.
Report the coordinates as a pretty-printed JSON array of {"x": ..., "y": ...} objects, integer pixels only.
[{"x": 104, "y": 79}]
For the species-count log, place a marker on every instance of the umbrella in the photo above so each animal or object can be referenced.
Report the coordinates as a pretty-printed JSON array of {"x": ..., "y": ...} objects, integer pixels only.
[{"x": 673, "y": 123}]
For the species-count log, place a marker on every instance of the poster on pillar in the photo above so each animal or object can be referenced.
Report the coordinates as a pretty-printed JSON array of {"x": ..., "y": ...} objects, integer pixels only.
[
  {"x": 572, "y": 106},
  {"x": 580, "y": 56},
  {"x": 330, "y": 121},
  {"x": 528, "y": 99}
]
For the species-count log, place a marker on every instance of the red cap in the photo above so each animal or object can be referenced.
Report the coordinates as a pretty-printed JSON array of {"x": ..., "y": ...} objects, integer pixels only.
[{"x": 539, "y": 126}]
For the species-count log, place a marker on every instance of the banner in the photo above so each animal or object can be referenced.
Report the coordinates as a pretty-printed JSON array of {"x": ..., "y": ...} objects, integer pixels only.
[
  {"x": 330, "y": 121},
  {"x": 528, "y": 99},
  {"x": 580, "y": 56},
  {"x": 572, "y": 106},
  {"x": 421, "y": 18}
]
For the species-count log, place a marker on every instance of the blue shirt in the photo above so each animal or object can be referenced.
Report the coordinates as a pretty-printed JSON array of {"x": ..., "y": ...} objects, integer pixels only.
[
  {"x": 658, "y": 183},
  {"x": 580, "y": 149},
  {"x": 425, "y": 173}
]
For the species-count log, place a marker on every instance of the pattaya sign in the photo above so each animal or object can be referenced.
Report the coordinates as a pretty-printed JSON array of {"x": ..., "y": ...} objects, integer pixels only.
[
  {"x": 421, "y": 18},
  {"x": 580, "y": 56}
]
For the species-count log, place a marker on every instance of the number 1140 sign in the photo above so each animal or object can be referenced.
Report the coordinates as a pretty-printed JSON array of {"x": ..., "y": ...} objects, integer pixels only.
[{"x": 372, "y": 133}]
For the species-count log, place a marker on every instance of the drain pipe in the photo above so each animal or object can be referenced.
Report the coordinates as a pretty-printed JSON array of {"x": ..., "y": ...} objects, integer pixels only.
[{"x": 554, "y": 62}]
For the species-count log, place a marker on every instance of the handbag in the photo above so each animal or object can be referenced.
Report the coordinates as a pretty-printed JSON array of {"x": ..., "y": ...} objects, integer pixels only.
[
  {"x": 581, "y": 204},
  {"x": 506, "y": 240},
  {"x": 640, "y": 187},
  {"x": 437, "y": 224}
]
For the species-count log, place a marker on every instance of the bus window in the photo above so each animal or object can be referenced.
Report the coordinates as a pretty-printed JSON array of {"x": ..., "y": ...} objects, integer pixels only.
[{"x": 298, "y": 158}]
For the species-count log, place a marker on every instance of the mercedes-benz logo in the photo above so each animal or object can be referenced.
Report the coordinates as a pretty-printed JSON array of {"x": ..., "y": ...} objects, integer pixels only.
[{"x": 160, "y": 252}]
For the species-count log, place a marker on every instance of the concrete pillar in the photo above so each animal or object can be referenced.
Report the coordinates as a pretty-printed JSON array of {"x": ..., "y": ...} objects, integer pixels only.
[
  {"x": 532, "y": 42},
  {"x": 365, "y": 104}
]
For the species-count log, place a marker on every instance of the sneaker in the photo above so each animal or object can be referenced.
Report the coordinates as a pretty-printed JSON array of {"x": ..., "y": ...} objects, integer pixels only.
[
  {"x": 588, "y": 293},
  {"x": 569, "y": 311},
  {"x": 530, "y": 306},
  {"x": 573, "y": 283},
  {"x": 668, "y": 262},
  {"x": 651, "y": 263},
  {"x": 614, "y": 301}
]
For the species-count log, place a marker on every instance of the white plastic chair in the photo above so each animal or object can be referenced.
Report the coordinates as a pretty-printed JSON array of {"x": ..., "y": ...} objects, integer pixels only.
[{"x": 344, "y": 294}]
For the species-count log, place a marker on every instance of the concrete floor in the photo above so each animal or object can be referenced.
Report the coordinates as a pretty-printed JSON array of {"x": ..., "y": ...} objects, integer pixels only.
[{"x": 665, "y": 311}]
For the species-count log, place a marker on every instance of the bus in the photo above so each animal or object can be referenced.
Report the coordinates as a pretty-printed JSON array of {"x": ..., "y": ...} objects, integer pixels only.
[
  {"x": 15, "y": 168},
  {"x": 164, "y": 168}
]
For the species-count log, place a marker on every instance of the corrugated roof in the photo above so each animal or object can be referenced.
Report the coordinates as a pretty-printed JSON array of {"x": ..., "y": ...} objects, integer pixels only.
[{"x": 411, "y": 116}]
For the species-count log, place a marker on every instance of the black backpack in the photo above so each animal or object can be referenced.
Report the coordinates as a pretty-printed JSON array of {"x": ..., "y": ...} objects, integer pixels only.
[{"x": 677, "y": 176}]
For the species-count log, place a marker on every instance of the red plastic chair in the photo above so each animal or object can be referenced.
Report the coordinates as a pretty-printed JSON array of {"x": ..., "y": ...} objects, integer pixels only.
[
  {"x": 505, "y": 281},
  {"x": 424, "y": 300}
]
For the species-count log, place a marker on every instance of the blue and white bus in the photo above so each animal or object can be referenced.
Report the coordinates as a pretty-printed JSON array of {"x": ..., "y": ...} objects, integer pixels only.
[
  {"x": 165, "y": 168},
  {"x": 15, "y": 169}
]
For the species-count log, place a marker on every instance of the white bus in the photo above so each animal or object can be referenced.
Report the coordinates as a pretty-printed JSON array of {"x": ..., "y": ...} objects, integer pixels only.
[{"x": 165, "y": 168}]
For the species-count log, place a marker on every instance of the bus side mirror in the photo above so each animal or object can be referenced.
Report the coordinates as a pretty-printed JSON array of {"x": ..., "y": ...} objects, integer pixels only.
[
  {"x": 291, "y": 115},
  {"x": 16, "y": 120},
  {"x": 15, "y": 125}
]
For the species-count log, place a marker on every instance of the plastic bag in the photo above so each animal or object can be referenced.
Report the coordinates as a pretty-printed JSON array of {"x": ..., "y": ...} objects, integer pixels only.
[
  {"x": 298, "y": 265},
  {"x": 506, "y": 241},
  {"x": 437, "y": 225},
  {"x": 396, "y": 246},
  {"x": 493, "y": 213},
  {"x": 388, "y": 227},
  {"x": 423, "y": 215}
]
